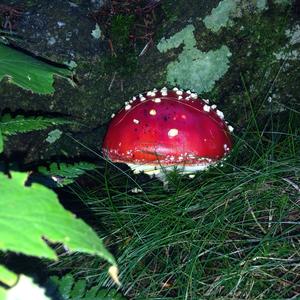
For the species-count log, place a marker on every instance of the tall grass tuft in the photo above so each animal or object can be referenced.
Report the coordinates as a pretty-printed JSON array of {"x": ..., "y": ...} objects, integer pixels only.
[{"x": 232, "y": 231}]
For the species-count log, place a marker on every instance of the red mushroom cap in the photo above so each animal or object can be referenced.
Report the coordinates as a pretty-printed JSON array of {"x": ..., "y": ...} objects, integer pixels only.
[{"x": 167, "y": 128}]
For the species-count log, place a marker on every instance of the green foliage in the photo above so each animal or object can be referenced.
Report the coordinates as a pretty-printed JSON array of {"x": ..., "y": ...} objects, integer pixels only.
[
  {"x": 7, "y": 277},
  {"x": 28, "y": 72},
  {"x": 10, "y": 125},
  {"x": 66, "y": 288},
  {"x": 2, "y": 294},
  {"x": 29, "y": 213},
  {"x": 28, "y": 216},
  {"x": 21, "y": 124},
  {"x": 67, "y": 172}
]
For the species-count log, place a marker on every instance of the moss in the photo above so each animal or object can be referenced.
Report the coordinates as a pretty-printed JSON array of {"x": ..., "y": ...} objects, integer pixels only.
[
  {"x": 121, "y": 26},
  {"x": 193, "y": 68},
  {"x": 124, "y": 63},
  {"x": 170, "y": 10},
  {"x": 124, "y": 59},
  {"x": 263, "y": 37}
]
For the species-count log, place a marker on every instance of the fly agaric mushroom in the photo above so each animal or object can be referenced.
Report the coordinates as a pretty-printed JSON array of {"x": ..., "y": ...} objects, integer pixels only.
[{"x": 158, "y": 131}]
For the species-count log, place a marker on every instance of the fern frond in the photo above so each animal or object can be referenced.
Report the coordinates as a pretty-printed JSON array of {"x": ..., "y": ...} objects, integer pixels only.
[
  {"x": 20, "y": 124},
  {"x": 67, "y": 288},
  {"x": 68, "y": 172}
]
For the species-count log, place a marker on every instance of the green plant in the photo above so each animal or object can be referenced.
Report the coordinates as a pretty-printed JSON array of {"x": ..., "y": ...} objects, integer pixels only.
[
  {"x": 30, "y": 216},
  {"x": 29, "y": 72},
  {"x": 11, "y": 125},
  {"x": 67, "y": 172},
  {"x": 67, "y": 288}
]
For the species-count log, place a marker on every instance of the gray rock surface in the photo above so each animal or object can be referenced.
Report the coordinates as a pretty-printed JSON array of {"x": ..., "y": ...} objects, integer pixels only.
[{"x": 259, "y": 38}]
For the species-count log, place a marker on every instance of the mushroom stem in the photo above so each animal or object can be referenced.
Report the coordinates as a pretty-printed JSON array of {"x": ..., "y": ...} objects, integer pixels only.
[{"x": 163, "y": 178}]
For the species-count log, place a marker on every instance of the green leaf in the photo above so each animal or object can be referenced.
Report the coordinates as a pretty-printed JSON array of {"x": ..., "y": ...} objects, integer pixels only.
[
  {"x": 28, "y": 215},
  {"x": 7, "y": 277},
  {"x": 2, "y": 293},
  {"x": 28, "y": 72},
  {"x": 21, "y": 124}
]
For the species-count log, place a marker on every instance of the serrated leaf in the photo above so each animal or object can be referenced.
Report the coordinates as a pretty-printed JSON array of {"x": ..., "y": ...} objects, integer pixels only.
[
  {"x": 78, "y": 289},
  {"x": 28, "y": 215},
  {"x": 92, "y": 292},
  {"x": 69, "y": 289},
  {"x": 65, "y": 286},
  {"x": 21, "y": 124},
  {"x": 28, "y": 72},
  {"x": 2, "y": 293},
  {"x": 7, "y": 277}
]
